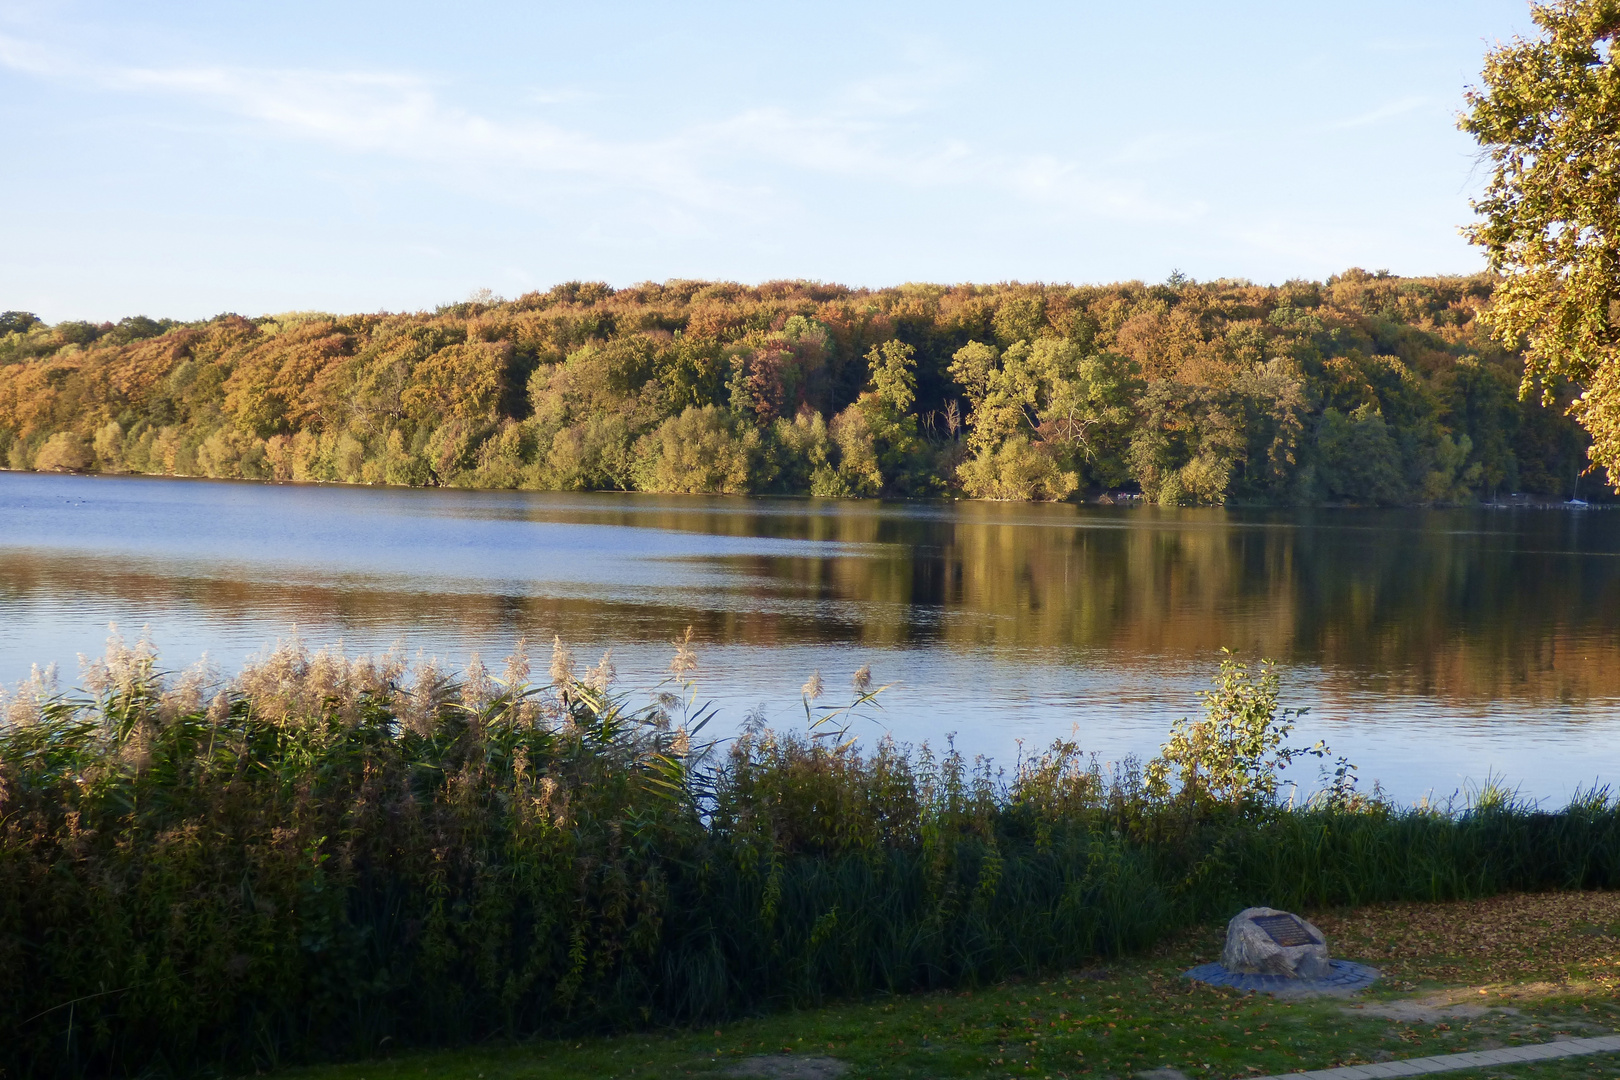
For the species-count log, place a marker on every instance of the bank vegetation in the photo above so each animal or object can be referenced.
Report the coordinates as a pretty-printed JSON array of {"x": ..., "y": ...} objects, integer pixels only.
[{"x": 330, "y": 857}]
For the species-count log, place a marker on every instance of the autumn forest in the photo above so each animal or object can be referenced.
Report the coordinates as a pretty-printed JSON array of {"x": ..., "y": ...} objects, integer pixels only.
[{"x": 1364, "y": 389}]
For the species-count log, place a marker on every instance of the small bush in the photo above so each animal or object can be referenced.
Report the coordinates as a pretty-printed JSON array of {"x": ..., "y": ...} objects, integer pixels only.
[{"x": 63, "y": 452}]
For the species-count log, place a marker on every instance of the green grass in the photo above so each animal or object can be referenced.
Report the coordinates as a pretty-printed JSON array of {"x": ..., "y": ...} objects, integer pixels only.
[{"x": 1137, "y": 1015}]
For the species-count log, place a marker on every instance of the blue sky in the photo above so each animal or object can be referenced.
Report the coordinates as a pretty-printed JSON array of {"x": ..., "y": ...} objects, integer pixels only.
[{"x": 185, "y": 159}]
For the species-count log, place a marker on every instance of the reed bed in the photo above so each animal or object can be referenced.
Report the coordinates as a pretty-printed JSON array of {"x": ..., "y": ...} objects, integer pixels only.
[{"x": 329, "y": 857}]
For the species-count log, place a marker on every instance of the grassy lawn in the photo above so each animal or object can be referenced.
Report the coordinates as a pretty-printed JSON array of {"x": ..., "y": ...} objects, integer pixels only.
[{"x": 1464, "y": 976}]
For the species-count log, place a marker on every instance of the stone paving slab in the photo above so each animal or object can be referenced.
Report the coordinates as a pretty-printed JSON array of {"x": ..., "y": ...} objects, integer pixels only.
[
  {"x": 1474, "y": 1059},
  {"x": 1345, "y": 979}
]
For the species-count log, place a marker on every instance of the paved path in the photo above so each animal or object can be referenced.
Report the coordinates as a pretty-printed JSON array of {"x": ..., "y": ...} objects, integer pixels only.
[{"x": 1508, "y": 1055}]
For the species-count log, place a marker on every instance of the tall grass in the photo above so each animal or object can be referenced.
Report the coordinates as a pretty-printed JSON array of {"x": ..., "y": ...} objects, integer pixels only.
[{"x": 332, "y": 857}]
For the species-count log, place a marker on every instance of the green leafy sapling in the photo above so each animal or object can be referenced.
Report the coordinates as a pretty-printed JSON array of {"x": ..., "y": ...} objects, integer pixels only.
[{"x": 1233, "y": 755}]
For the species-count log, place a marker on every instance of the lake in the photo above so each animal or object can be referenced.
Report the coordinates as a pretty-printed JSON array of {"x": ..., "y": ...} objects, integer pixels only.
[{"x": 1433, "y": 648}]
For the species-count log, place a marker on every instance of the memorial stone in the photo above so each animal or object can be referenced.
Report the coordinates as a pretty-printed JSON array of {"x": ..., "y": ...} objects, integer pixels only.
[{"x": 1265, "y": 941}]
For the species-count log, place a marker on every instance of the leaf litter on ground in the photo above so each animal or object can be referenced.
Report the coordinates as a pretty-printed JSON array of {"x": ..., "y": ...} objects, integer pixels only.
[{"x": 1460, "y": 976}]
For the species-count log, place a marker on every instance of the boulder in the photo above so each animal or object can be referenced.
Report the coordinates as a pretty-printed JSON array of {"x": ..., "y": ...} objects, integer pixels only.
[{"x": 1265, "y": 941}]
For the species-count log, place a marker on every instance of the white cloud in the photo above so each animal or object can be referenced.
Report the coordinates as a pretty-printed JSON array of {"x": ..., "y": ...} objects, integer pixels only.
[
  {"x": 717, "y": 167},
  {"x": 403, "y": 117},
  {"x": 25, "y": 56},
  {"x": 1384, "y": 112}
]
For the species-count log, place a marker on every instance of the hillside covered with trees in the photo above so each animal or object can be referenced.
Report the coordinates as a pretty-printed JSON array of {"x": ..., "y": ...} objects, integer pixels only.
[{"x": 1366, "y": 388}]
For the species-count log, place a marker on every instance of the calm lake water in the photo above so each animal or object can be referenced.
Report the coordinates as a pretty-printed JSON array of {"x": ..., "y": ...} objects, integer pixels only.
[{"x": 1433, "y": 648}]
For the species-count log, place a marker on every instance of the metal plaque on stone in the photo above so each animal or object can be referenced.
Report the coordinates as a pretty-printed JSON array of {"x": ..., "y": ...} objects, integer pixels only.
[{"x": 1285, "y": 930}]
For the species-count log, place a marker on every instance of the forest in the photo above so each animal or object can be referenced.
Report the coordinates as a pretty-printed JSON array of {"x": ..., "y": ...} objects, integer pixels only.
[{"x": 1367, "y": 388}]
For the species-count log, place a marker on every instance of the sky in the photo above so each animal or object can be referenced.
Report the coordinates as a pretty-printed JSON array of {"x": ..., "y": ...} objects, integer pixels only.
[{"x": 184, "y": 159}]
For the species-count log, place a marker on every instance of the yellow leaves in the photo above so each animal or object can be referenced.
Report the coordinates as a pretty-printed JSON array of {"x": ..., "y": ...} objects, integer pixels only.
[
  {"x": 700, "y": 450},
  {"x": 133, "y": 372},
  {"x": 272, "y": 385},
  {"x": 29, "y": 392},
  {"x": 461, "y": 382},
  {"x": 1160, "y": 340},
  {"x": 1546, "y": 117},
  {"x": 1505, "y": 940}
]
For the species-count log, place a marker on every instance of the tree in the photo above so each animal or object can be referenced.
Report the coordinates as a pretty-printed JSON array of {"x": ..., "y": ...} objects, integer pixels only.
[
  {"x": 1202, "y": 393},
  {"x": 1038, "y": 412},
  {"x": 1479, "y": 405},
  {"x": 18, "y": 322},
  {"x": 1357, "y": 459},
  {"x": 999, "y": 390},
  {"x": 1548, "y": 120},
  {"x": 877, "y": 435},
  {"x": 1188, "y": 443},
  {"x": 894, "y": 375},
  {"x": 1089, "y": 412},
  {"x": 703, "y": 449},
  {"x": 63, "y": 452},
  {"x": 462, "y": 382}
]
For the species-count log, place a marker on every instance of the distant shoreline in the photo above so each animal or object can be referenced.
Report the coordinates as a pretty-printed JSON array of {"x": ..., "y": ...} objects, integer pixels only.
[{"x": 1127, "y": 500}]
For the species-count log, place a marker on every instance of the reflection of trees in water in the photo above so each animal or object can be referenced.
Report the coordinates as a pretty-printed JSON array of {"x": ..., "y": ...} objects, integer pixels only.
[
  {"x": 380, "y": 609},
  {"x": 1430, "y": 602},
  {"x": 1445, "y": 612}
]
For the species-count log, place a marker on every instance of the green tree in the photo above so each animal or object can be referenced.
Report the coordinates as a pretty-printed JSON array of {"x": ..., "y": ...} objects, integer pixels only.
[
  {"x": 804, "y": 451},
  {"x": 1547, "y": 117},
  {"x": 1480, "y": 406},
  {"x": 998, "y": 393},
  {"x": 1018, "y": 470},
  {"x": 1234, "y": 754},
  {"x": 1272, "y": 397},
  {"x": 1188, "y": 444},
  {"x": 1088, "y": 413},
  {"x": 706, "y": 449},
  {"x": 1036, "y": 412},
  {"x": 17, "y": 322},
  {"x": 877, "y": 436},
  {"x": 1356, "y": 458},
  {"x": 894, "y": 376}
]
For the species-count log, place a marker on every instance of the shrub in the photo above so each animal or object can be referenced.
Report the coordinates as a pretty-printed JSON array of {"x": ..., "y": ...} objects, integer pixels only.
[
  {"x": 231, "y": 453},
  {"x": 592, "y": 455},
  {"x": 702, "y": 450},
  {"x": 109, "y": 446},
  {"x": 1234, "y": 754},
  {"x": 804, "y": 452},
  {"x": 1015, "y": 470},
  {"x": 63, "y": 452}
]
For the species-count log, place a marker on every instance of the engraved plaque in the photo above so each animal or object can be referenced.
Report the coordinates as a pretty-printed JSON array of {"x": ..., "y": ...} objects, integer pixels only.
[{"x": 1285, "y": 930}]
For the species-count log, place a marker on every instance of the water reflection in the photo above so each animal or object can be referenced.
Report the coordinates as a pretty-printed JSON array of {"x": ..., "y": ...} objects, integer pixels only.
[{"x": 1021, "y": 619}]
